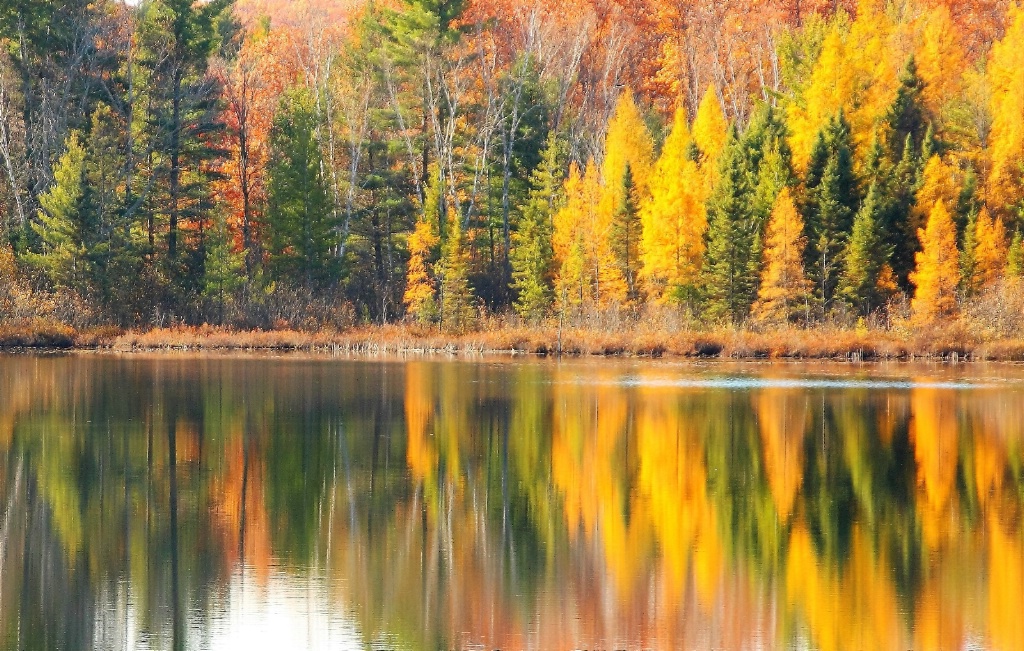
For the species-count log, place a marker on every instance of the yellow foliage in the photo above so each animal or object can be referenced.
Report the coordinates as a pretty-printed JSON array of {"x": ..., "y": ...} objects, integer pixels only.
[
  {"x": 710, "y": 131},
  {"x": 939, "y": 182},
  {"x": 674, "y": 218},
  {"x": 937, "y": 274},
  {"x": 934, "y": 433},
  {"x": 990, "y": 249},
  {"x": 419, "y": 287},
  {"x": 1005, "y": 75},
  {"x": 783, "y": 283},
  {"x": 628, "y": 143},
  {"x": 940, "y": 59},
  {"x": 857, "y": 71},
  {"x": 782, "y": 421}
]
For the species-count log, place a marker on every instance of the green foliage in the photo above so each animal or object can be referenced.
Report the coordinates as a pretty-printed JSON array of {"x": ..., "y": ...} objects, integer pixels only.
[
  {"x": 830, "y": 206},
  {"x": 730, "y": 283},
  {"x": 626, "y": 236},
  {"x": 59, "y": 224},
  {"x": 457, "y": 309},
  {"x": 300, "y": 216},
  {"x": 865, "y": 256},
  {"x": 1015, "y": 257},
  {"x": 224, "y": 269},
  {"x": 532, "y": 257}
]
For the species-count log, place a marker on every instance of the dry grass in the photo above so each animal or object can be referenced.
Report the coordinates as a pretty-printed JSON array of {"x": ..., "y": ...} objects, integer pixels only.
[{"x": 644, "y": 339}]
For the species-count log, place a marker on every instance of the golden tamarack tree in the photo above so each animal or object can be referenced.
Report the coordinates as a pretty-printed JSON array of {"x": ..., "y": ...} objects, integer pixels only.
[{"x": 937, "y": 274}]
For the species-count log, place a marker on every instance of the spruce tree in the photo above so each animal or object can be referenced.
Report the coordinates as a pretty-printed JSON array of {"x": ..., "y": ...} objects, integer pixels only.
[
  {"x": 299, "y": 211},
  {"x": 223, "y": 272},
  {"x": 532, "y": 255},
  {"x": 865, "y": 256},
  {"x": 626, "y": 236},
  {"x": 730, "y": 283},
  {"x": 457, "y": 310},
  {"x": 1015, "y": 257},
  {"x": 832, "y": 201},
  {"x": 906, "y": 121}
]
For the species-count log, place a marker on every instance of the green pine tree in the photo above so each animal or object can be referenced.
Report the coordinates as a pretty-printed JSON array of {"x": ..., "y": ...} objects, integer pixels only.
[
  {"x": 532, "y": 258},
  {"x": 626, "y": 236},
  {"x": 457, "y": 309},
  {"x": 59, "y": 227},
  {"x": 968, "y": 256},
  {"x": 730, "y": 283},
  {"x": 223, "y": 272},
  {"x": 300, "y": 216},
  {"x": 1015, "y": 257},
  {"x": 832, "y": 201},
  {"x": 865, "y": 256}
]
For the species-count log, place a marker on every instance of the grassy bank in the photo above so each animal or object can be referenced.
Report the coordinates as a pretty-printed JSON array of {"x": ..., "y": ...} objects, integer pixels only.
[{"x": 938, "y": 342}]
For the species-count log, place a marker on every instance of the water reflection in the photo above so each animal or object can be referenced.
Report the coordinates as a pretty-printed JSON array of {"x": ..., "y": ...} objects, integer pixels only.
[{"x": 270, "y": 503}]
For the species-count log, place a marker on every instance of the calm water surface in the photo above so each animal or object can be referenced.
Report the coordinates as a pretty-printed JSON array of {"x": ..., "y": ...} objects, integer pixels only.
[{"x": 288, "y": 503}]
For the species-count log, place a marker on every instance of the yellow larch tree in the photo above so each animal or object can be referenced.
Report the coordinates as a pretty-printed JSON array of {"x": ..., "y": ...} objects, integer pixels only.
[
  {"x": 939, "y": 182},
  {"x": 857, "y": 71},
  {"x": 990, "y": 249},
  {"x": 674, "y": 219},
  {"x": 580, "y": 240},
  {"x": 627, "y": 145},
  {"x": 940, "y": 59},
  {"x": 784, "y": 287},
  {"x": 1005, "y": 75},
  {"x": 937, "y": 274},
  {"x": 710, "y": 132}
]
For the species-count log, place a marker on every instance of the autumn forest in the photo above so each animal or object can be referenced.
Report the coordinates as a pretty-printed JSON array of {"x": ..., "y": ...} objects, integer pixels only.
[{"x": 446, "y": 163}]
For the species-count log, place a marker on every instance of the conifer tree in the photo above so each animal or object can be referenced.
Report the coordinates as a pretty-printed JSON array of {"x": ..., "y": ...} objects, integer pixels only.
[
  {"x": 1005, "y": 76},
  {"x": 730, "y": 283},
  {"x": 222, "y": 276},
  {"x": 784, "y": 288},
  {"x": 1015, "y": 257},
  {"x": 300, "y": 214},
  {"x": 456, "y": 295},
  {"x": 420, "y": 283},
  {"x": 532, "y": 254},
  {"x": 969, "y": 280},
  {"x": 831, "y": 204},
  {"x": 937, "y": 274},
  {"x": 674, "y": 220},
  {"x": 990, "y": 251},
  {"x": 626, "y": 235},
  {"x": 905, "y": 119},
  {"x": 58, "y": 224},
  {"x": 627, "y": 145},
  {"x": 710, "y": 134},
  {"x": 865, "y": 257}
]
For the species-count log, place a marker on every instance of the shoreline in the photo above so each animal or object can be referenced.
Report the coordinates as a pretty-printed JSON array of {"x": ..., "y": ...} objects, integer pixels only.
[{"x": 824, "y": 344}]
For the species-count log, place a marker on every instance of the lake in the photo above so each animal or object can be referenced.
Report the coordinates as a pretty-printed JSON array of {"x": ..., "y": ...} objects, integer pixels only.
[{"x": 184, "y": 502}]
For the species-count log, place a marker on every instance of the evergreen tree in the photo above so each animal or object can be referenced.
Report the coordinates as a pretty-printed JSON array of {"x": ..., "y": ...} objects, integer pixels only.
[
  {"x": 864, "y": 261},
  {"x": 626, "y": 235},
  {"x": 532, "y": 253},
  {"x": 457, "y": 310},
  {"x": 906, "y": 121},
  {"x": 223, "y": 272},
  {"x": 177, "y": 39},
  {"x": 59, "y": 225},
  {"x": 300, "y": 216},
  {"x": 991, "y": 250},
  {"x": 1015, "y": 257},
  {"x": 784, "y": 289},
  {"x": 421, "y": 283},
  {"x": 730, "y": 284},
  {"x": 831, "y": 204},
  {"x": 937, "y": 274}
]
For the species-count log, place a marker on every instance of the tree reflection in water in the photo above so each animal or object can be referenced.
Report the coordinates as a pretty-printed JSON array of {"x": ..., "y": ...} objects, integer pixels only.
[{"x": 199, "y": 502}]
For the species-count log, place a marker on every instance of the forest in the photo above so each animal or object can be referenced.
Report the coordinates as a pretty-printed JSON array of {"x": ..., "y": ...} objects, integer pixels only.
[{"x": 456, "y": 165}]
